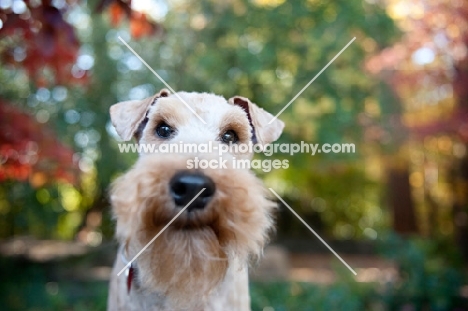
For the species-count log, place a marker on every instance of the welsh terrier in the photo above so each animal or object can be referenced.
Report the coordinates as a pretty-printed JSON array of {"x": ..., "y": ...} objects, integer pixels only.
[{"x": 200, "y": 261}]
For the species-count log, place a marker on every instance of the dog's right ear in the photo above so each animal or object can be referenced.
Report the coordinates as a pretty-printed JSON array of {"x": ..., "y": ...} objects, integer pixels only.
[{"x": 127, "y": 116}]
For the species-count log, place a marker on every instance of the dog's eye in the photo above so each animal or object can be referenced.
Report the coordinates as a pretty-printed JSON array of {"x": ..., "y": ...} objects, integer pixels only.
[
  {"x": 163, "y": 130},
  {"x": 229, "y": 137}
]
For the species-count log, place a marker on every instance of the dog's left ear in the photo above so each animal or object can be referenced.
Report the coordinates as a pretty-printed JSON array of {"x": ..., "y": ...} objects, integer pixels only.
[
  {"x": 128, "y": 115},
  {"x": 264, "y": 132}
]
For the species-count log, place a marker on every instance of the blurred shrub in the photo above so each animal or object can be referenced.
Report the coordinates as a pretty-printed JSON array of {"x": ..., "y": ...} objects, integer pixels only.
[
  {"x": 304, "y": 296},
  {"x": 430, "y": 271},
  {"x": 430, "y": 278}
]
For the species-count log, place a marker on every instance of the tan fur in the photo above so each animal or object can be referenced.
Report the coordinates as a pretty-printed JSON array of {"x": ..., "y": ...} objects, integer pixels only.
[
  {"x": 200, "y": 261},
  {"x": 126, "y": 116}
]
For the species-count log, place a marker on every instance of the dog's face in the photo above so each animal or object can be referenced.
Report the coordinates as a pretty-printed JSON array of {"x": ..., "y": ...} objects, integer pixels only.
[{"x": 228, "y": 221}]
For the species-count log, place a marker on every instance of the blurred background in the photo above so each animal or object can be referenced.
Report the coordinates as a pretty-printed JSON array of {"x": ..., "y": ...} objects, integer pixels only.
[{"x": 396, "y": 210}]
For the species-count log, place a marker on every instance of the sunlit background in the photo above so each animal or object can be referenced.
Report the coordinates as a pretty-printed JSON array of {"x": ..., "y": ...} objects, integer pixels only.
[{"x": 396, "y": 210}]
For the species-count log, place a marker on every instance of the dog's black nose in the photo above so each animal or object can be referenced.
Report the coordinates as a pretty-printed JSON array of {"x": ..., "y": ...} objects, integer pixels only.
[{"x": 186, "y": 185}]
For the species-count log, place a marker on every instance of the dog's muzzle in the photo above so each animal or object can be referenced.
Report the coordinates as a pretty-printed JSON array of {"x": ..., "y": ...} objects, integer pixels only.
[{"x": 185, "y": 185}]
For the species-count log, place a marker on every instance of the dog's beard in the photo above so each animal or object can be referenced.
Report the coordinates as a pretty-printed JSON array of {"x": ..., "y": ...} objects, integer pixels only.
[
  {"x": 183, "y": 265},
  {"x": 192, "y": 255}
]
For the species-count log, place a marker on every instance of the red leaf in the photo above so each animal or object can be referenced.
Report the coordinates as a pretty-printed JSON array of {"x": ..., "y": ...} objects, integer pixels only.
[
  {"x": 49, "y": 42},
  {"x": 140, "y": 26},
  {"x": 28, "y": 147}
]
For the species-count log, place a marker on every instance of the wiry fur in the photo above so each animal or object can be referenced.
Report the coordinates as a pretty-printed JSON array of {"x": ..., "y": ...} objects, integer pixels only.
[{"x": 200, "y": 261}]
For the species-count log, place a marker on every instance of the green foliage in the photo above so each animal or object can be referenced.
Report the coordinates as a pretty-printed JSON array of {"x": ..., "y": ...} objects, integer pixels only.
[
  {"x": 308, "y": 297},
  {"x": 20, "y": 215},
  {"x": 267, "y": 53},
  {"x": 345, "y": 200},
  {"x": 430, "y": 278},
  {"x": 28, "y": 286},
  {"x": 430, "y": 273}
]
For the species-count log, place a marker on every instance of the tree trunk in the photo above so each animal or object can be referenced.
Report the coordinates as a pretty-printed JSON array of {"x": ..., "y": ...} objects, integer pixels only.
[
  {"x": 399, "y": 191},
  {"x": 460, "y": 206}
]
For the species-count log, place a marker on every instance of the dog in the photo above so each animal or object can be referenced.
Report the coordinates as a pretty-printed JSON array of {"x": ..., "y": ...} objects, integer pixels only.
[{"x": 200, "y": 261}]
